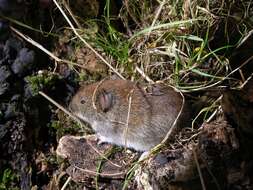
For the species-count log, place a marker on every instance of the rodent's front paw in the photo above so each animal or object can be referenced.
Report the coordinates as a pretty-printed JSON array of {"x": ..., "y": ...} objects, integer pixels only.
[{"x": 102, "y": 139}]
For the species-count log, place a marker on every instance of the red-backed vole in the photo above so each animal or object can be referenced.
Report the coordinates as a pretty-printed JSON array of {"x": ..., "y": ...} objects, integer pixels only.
[{"x": 129, "y": 114}]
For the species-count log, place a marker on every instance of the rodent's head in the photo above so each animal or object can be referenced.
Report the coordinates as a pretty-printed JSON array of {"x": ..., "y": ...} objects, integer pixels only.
[{"x": 89, "y": 101}]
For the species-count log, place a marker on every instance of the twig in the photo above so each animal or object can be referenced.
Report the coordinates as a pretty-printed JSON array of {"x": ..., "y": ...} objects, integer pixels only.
[
  {"x": 86, "y": 43},
  {"x": 66, "y": 183},
  {"x": 175, "y": 121},
  {"x": 199, "y": 170},
  {"x": 36, "y": 44},
  {"x": 156, "y": 17},
  {"x": 128, "y": 116},
  {"x": 98, "y": 173},
  {"x": 146, "y": 77},
  {"x": 77, "y": 119},
  {"x": 71, "y": 13},
  {"x": 59, "y": 106}
]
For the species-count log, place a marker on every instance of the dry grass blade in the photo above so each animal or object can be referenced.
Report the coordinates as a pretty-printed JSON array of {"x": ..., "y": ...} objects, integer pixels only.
[
  {"x": 59, "y": 106},
  {"x": 76, "y": 119},
  {"x": 246, "y": 81},
  {"x": 71, "y": 14},
  {"x": 156, "y": 17},
  {"x": 97, "y": 173},
  {"x": 95, "y": 93},
  {"x": 86, "y": 43},
  {"x": 199, "y": 170},
  {"x": 66, "y": 183},
  {"x": 128, "y": 116},
  {"x": 168, "y": 135},
  {"x": 223, "y": 79},
  {"x": 36, "y": 44},
  {"x": 146, "y": 77}
]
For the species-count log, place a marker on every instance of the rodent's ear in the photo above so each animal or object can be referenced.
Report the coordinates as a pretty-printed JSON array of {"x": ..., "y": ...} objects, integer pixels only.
[{"x": 105, "y": 100}]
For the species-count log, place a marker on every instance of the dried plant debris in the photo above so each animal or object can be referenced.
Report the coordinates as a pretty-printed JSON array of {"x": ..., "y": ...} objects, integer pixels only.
[
  {"x": 196, "y": 46},
  {"x": 89, "y": 61},
  {"x": 211, "y": 159},
  {"x": 89, "y": 160}
]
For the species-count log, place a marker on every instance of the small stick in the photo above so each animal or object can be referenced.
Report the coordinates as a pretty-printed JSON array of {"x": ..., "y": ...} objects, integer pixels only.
[
  {"x": 128, "y": 116},
  {"x": 146, "y": 77},
  {"x": 36, "y": 44},
  {"x": 66, "y": 183},
  {"x": 156, "y": 17},
  {"x": 98, "y": 173},
  {"x": 199, "y": 170},
  {"x": 59, "y": 106},
  {"x": 77, "y": 119},
  {"x": 71, "y": 14},
  {"x": 86, "y": 43}
]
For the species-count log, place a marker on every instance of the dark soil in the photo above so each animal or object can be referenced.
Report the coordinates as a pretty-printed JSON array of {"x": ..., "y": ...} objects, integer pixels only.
[{"x": 30, "y": 126}]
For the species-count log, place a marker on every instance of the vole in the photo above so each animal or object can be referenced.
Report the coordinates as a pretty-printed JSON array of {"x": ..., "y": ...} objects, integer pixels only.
[{"x": 128, "y": 114}]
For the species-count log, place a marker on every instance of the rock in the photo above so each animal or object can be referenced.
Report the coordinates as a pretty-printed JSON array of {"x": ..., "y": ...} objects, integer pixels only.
[
  {"x": 4, "y": 73},
  {"x": 3, "y": 131},
  {"x": 11, "y": 49},
  {"x": 23, "y": 62},
  {"x": 12, "y": 107},
  {"x": 4, "y": 87},
  {"x": 4, "y": 29}
]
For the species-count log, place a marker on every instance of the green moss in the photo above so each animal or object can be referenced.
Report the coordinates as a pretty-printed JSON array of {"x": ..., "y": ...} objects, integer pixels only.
[
  {"x": 8, "y": 178},
  {"x": 62, "y": 128},
  {"x": 44, "y": 80}
]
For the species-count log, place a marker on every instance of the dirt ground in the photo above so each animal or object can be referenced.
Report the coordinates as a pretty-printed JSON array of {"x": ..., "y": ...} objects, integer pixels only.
[{"x": 204, "y": 49}]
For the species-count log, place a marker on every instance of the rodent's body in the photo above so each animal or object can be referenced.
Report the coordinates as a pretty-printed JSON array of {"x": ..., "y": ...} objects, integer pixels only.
[{"x": 127, "y": 114}]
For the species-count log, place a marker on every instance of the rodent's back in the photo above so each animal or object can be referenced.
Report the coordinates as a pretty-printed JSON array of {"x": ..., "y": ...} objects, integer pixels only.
[
  {"x": 164, "y": 108},
  {"x": 151, "y": 113}
]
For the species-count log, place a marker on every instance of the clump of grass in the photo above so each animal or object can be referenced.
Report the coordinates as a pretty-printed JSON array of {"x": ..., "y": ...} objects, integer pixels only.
[
  {"x": 111, "y": 41},
  {"x": 168, "y": 50}
]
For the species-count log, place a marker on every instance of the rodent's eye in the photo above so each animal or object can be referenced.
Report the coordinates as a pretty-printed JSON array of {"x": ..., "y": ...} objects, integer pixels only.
[{"x": 82, "y": 101}]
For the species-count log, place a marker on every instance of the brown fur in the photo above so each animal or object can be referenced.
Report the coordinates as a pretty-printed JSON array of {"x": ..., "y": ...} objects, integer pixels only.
[{"x": 105, "y": 106}]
